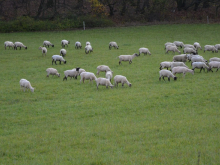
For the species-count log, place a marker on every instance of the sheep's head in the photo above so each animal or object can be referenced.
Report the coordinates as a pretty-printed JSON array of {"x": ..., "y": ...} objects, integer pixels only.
[
  {"x": 64, "y": 62},
  {"x": 129, "y": 85},
  {"x": 175, "y": 78},
  {"x": 52, "y": 45},
  {"x": 77, "y": 69},
  {"x": 58, "y": 74},
  {"x": 26, "y": 47}
]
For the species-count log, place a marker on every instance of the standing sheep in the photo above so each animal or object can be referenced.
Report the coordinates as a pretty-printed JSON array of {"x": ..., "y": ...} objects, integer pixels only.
[
  {"x": 179, "y": 44},
  {"x": 172, "y": 48},
  {"x": 169, "y": 43},
  {"x": 217, "y": 46},
  {"x": 109, "y": 75},
  {"x": 78, "y": 45},
  {"x": 121, "y": 79},
  {"x": 210, "y": 48},
  {"x": 214, "y": 64},
  {"x": 180, "y": 58},
  {"x": 113, "y": 44},
  {"x": 48, "y": 43},
  {"x": 87, "y": 76},
  {"x": 88, "y": 43},
  {"x": 44, "y": 50},
  {"x": 144, "y": 50},
  {"x": 104, "y": 82},
  {"x": 214, "y": 59},
  {"x": 88, "y": 49},
  {"x": 71, "y": 73},
  {"x": 19, "y": 44},
  {"x": 189, "y": 50},
  {"x": 63, "y": 52},
  {"x": 165, "y": 64},
  {"x": 175, "y": 64},
  {"x": 9, "y": 44},
  {"x": 200, "y": 65},
  {"x": 58, "y": 58},
  {"x": 80, "y": 70},
  {"x": 197, "y": 46},
  {"x": 102, "y": 68},
  {"x": 52, "y": 71},
  {"x": 181, "y": 69},
  {"x": 25, "y": 84},
  {"x": 65, "y": 43},
  {"x": 127, "y": 58},
  {"x": 166, "y": 73}
]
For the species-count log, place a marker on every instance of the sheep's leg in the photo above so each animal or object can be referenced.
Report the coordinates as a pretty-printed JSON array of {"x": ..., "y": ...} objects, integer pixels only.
[
  {"x": 168, "y": 79},
  {"x": 159, "y": 78},
  {"x": 119, "y": 62},
  {"x": 217, "y": 70},
  {"x": 60, "y": 61},
  {"x": 122, "y": 84},
  {"x": 65, "y": 78},
  {"x": 201, "y": 70},
  {"x": 130, "y": 62},
  {"x": 164, "y": 79}
]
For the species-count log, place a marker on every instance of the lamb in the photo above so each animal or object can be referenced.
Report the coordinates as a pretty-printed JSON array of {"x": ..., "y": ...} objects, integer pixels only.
[
  {"x": 210, "y": 48},
  {"x": 87, "y": 76},
  {"x": 214, "y": 59},
  {"x": 166, "y": 73},
  {"x": 52, "y": 71},
  {"x": 198, "y": 59},
  {"x": 88, "y": 43},
  {"x": 179, "y": 44},
  {"x": 44, "y": 50},
  {"x": 19, "y": 44},
  {"x": 26, "y": 84},
  {"x": 102, "y": 68},
  {"x": 214, "y": 64},
  {"x": 181, "y": 69},
  {"x": 9, "y": 44},
  {"x": 189, "y": 50},
  {"x": 180, "y": 58},
  {"x": 78, "y": 45},
  {"x": 104, "y": 82},
  {"x": 200, "y": 65},
  {"x": 88, "y": 49},
  {"x": 71, "y": 73},
  {"x": 165, "y": 64},
  {"x": 144, "y": 50},
  {"x": 65, "y": 43},
  {"x": 47, "y": 43},
  {"x": 121, "y": 79},
  {"x": 172, "y": 48},
  {"x": 113, "y": 44},
  {"x": 217, "y": 46},
  {"x": 58, "y": 58},
  {"x": 109, "y": 75},
  {"x": 127, "y": 58},
  {"x": 197, "y": 45},
  {"x": 175, "y": 64},
  {"x": 63, "y": 52}
]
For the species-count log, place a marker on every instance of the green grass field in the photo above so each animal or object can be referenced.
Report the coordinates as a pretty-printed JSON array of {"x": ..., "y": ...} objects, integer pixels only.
[{"x": 65, "y": 122}]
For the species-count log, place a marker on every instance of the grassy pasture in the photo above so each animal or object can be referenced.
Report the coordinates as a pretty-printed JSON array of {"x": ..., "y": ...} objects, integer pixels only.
[{"x": 65, "y": 122}]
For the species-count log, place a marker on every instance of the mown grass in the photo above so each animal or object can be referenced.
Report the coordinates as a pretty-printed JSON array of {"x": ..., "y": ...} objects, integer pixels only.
[{"x": 65, "y": 122}]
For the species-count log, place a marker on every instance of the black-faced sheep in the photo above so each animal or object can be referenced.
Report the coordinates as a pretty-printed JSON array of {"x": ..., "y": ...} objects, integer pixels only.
[
  {"x": 113, "y": 44},
  {"x": 166, "y": 73},
  {"x": 65, "y": 43},
  {"x": 121, "y": 79},
  {"x": 210, "y": 48},
  {"x": 58, "y": 58},
  {"x": 19, "y": 44},
  {"x": 104, "y": 82},
  {"x": 44, "y": 50},
  {"x": 127, "y": 58},
  {"x": 181, "y": 69},
  {"x": 71, "y": 73},
  {"x": 47, "y": 43},
  {"x": 52, "y": 71}
]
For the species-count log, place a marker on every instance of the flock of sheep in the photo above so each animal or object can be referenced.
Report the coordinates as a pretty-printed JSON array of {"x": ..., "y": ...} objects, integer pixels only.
[{"x": 190, "y": 54}]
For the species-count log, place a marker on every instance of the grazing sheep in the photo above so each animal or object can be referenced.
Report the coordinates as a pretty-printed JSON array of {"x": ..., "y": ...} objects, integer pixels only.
[
  {"x": 190, "y": 56},
  {"x": 71, "y": 73},
  {"x": 179, "y": 44},
  {"x": 165, "y": 64},
  {"x": 104, "y": 82},
  {"x": 127, "y": 58},
  {"x": 88, "y": 43},
  {"x": 181, "y": 69},
  {"x": 52, "y": 71},
  {"x": 9, "y": 44},
  {"x": 214, "y": 59},
  {"x": 180, "y": 58},
  {"x": 113, "y": 44},
  {"x": 109, "y": 75},
  {"x": 87, "y": 76},
  {"x": 210, "y": 48},
  {"x": 19, "y": 44},
  {"x": 175, "y": 64},
  {"x": 58, "y": 58},
  {"x": 78, "y": 45},
  {"x": 169, "y": 43},
  {"x": 172, "y": 48},
  {"x": 189, "y": 46},
  {"x": 166, "y": 73},
  {"x": 25, "y": 84},
  {"x": 198, "y": 59},
  {"x": 189, "y": 50},
  {"x": 121, "y": 79},
  {"x": 63, "y": 52},
  {"x": 88, "y": 49},
  {"x": 65, "y": 43},
  {"x": 217, "y": 46},
  {"x": 44, "y": 50},
  {"x": 47, "y": 43},
  {"x": 214, "y": 64},
  {"x": 197, "y": 46},
  {"x": 200, "y": 65},
  {"x": 144, "y": 50},
  {"x": 80, "y": 70},
  {"x": 102, "y": 68}
]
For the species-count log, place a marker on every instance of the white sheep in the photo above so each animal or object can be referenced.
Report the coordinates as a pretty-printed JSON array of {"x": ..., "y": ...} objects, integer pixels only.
[
  {"x": 166, "y": 73},
  {"x": 214, "y": 59},
  {"x": 197, "y": 46},
  {"x": 165, "y": 64},
  {"x": 87, "y": 76},
  {"x": 172, "y": 48},
  {"x": 217, "y": 46},
  {"x": 190, "y": 56},
  {"x": 44, "y": 50},
  {"x": 78, "y": 45},
  {"x": 88, "y": 49},
  {"x": 144, "y": 50},
  {"x": 88, "y": 43},
  {"x": 25, "y": 84},
  {"x": 179, "y": 44},
  {"x": 181, "y": 69},
  {"x": 210, "y": 48},
  {"x": 19, "y": 44},
  {"x": 200, "y": 65},
  {"x": 63, "y": 52},
  {"x": 189, "y": 50},
  {"x": 175, "y": 64},
  {"x": 109, "y": 75},
  {"x": 52, "y": 71},
  {"x": 189, "y": 46},
  {"x": 47, "y": 43},
  {"x": 102, "y": 68},
  {"x": 169, "y": 43},
  {"x": 71, "y": 73},
  {"x": 127, "y": 58},
  {"x": 58, "y": 58},
  {"x": 65, "y": 43},
  {"x": 214, "y": 64},
  {"x": 80, "y": 70},
  {"x": 104, "y": 82},
  {"x": 121, "y": 79},
  {"x": 9, "y": 44},
  {"x": 113, "y": 44},
  {"x": 198, "y": 59},
  {"x": 180, "y": 58}
]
